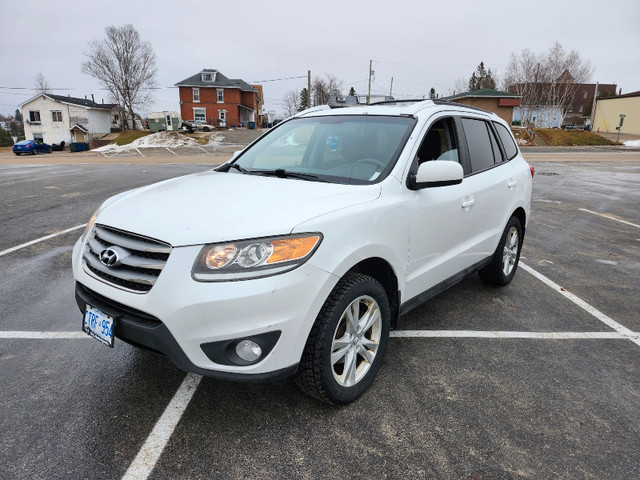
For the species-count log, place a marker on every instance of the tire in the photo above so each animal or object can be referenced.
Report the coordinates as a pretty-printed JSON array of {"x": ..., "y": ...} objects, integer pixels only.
[
  {"x": 49, "y": 150},
  {"x": 357, "y": 348},
  {"x": 17, "y": 153},
  {"x": 505, "y": 260},
  {"x": 205, "y": 129}
]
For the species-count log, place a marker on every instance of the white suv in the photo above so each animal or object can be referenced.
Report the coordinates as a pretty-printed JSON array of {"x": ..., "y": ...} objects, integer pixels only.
[{"x": 298, "y": 255}]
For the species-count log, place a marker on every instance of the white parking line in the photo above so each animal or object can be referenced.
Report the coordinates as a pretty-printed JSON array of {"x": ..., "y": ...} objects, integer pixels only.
[
  {"x": 26, "y": 335},
  {"x": 506, "y": 334},
  {"x": 610, "y": 217},
  {"x": 624, "y": 331},
  {"x": 41, "y": 239},
  {"x": 149, "y": 454}
]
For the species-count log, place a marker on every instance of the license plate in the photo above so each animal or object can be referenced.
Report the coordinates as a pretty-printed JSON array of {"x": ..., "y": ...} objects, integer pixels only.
[{"x": 99, "y": 325}]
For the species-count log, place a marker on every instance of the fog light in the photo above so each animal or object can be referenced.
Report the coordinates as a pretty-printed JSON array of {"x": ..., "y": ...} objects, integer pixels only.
[{"x": 248, "y": 350}]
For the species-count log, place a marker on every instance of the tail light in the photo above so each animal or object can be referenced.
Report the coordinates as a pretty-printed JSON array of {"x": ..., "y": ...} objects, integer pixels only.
[{"x": 532, "y": 170}]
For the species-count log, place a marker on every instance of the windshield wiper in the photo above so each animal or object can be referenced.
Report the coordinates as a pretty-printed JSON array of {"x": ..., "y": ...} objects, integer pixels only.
[
  {"x": 239, "y": 168},
  {"x": 282, "y": 173}
]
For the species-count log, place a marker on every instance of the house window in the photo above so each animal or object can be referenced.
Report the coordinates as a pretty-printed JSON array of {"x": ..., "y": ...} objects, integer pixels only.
[
  {"x": 38, "y": 137},
  {"x": 220, "y": 95},
  {"x": 581, "y": 108},
  {"x": 56, "y": 116},
  {"x": 207, "y": 77},
  {"x": 200, "y": 114},
  {"x": 34, "y": 116},
  {"x": 585, "y": 94},
  {"x": 196, "y": 94}
]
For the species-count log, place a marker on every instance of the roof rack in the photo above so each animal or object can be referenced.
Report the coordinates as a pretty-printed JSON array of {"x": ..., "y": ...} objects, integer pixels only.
[{"x": 406, "y": 100}]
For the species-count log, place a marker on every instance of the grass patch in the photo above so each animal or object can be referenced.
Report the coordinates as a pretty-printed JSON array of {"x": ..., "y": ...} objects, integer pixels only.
[
  {"x": 125, "y": 138},
  {"x": 556, "y": 137}
]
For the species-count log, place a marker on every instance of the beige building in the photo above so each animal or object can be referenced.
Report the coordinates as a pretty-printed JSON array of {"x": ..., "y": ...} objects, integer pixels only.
[
  {"x": 609, "y": 110},
  {"x": 501, "y": 103}
]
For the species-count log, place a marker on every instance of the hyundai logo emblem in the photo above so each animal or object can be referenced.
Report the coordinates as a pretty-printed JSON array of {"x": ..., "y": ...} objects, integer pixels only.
[{"x": 110, "y": 257}]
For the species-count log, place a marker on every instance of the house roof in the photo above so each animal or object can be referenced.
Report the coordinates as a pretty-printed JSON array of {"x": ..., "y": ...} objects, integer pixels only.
[
  {"x": 483, "y": 92},
  {"x": 81, "y": 102},
  {"x": 77, "y": 126},
  {"x": 626, "y": 95},
  {"x": 220, "y": 81}
]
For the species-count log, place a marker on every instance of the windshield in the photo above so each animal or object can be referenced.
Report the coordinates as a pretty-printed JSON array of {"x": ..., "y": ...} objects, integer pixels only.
[{"x": 350, "y": 149}]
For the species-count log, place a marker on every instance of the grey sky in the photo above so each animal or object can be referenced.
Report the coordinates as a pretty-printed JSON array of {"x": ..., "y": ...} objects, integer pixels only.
[{"x": 420, "y": 44}]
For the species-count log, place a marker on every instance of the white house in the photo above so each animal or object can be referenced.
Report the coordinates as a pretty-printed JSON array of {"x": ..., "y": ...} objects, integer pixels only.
[{"x": 56, "y": 118}]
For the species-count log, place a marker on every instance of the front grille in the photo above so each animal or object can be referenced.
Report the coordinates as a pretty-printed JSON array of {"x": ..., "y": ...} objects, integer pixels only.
[{"x": 124, "y": 259}]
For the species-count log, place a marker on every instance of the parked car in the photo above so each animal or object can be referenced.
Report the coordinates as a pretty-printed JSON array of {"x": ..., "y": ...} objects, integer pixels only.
[
  {"x": 204, "y": 126},
  {"x": 297, "y": 256},
  {"x": 31, "y": 147},
  {"x": 188, "y": 126}
]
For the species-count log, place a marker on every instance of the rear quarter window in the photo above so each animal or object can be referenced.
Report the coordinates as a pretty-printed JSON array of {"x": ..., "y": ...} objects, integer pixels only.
[{"x": 507, "y": 140}]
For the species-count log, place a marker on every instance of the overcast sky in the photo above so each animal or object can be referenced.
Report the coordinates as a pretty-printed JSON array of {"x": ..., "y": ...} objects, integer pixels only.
[{"x": 419, "y": 43}]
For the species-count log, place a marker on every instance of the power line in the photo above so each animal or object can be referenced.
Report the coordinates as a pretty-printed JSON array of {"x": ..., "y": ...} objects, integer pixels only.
[{"x": 278, "y": 79}]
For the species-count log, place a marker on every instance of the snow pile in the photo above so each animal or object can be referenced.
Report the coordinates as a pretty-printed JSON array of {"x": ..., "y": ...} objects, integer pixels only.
[
  {"x": 157, "y": 140},
  {"x": 632, "y": 143},
  {"x": 216, "y": 139}
]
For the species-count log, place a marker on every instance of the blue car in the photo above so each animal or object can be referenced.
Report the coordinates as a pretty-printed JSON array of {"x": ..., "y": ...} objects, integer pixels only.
[{"x": 31, "y": 147}]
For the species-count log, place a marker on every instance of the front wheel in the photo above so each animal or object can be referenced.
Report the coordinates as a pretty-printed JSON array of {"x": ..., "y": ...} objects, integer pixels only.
[
  {"x": 504, "y": 262},
  {"x": 346, "y": 345}
]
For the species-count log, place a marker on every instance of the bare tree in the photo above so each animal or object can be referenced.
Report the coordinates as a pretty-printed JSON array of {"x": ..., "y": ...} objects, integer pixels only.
[
  {"x": 547, "y": 82},
  {"x": 41, "y": 84},
  {"x": 290, "y": 103},
  {"x": 325, "y": 88},
  {"x": 126, "y": 66},
  {"x": 459, "y": 86}
]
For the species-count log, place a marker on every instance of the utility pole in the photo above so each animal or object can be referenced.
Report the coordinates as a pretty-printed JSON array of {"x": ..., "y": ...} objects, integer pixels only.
[
  {"x": 593, "y": 107},
  {"x": 369, "y": 94},
  {"x": 308, "y": 88},
  {"x": 391, "y": 87}
]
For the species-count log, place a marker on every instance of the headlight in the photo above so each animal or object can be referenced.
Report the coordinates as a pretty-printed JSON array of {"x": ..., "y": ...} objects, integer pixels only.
[
  {"x": 259, "y": 257},
  {"x": 87, "y": 229}
]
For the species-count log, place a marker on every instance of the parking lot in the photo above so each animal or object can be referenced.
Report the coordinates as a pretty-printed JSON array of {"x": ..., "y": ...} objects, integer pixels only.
[{"x": 540, "y": 379}]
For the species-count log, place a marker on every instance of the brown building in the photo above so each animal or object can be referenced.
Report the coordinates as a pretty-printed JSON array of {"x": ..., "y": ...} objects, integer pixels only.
[
  {"x": 500, "y": 103},
  {"x": 211, "y": 97}
]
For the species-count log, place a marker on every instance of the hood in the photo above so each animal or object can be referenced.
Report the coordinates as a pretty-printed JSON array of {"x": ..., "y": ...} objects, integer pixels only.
[{"x": 214, "y": 206}]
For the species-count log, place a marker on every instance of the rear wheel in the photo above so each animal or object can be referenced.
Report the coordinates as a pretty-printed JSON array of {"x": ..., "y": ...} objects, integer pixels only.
[
  {"x": 346, "y": 345},
  {"x": 505, "y": 260}
]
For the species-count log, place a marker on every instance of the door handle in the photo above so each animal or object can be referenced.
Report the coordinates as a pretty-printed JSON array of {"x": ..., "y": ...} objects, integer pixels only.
[
  {"x": 468, "y": 202},
  {"x": 512, "y": 183}
]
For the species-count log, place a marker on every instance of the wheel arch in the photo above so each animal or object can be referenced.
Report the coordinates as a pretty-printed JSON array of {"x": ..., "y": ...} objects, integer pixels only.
[
  {"x": 521, "y": 215},
  {"x": 380, "y": 270}
]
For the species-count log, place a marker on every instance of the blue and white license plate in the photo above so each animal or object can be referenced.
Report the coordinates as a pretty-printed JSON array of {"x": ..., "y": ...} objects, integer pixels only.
[{"x": 99, "y": 325}]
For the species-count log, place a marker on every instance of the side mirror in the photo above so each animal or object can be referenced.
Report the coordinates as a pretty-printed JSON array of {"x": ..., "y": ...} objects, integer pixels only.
[{"x": 436, "y": 173}]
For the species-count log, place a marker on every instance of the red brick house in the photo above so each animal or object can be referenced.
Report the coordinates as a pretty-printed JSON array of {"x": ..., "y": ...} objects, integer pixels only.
[{"x": 211, "y": 97}]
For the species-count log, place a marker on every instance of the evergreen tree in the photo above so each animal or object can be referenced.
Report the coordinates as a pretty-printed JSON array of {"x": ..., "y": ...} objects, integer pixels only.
[
  {"x": 352, "y": 92},
  {"x": 18, "y": 116},
  {"x": 5, "y": 138},
  {"x": 481, "y": 78},
  {"x": 432, "y": 93},
  {"x": 304, "y": 100}
]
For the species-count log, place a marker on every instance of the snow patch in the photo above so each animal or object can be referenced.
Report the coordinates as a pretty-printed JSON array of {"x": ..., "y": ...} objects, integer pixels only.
[
  {"x": 157, "y": 140},
  {"x": 632, "y": 143}
]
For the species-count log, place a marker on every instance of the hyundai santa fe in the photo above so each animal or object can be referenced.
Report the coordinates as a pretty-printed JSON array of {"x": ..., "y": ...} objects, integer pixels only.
[{"x": 297, "y": 256}]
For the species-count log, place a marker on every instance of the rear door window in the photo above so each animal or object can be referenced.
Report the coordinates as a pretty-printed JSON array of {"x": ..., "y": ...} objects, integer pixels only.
[{"x": 479, "y": 143}]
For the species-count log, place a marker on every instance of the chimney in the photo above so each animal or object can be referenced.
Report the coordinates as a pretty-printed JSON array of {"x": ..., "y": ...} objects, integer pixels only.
[
  {"x": 85, "y": 97},
  {"x": 93, "y": 99}
]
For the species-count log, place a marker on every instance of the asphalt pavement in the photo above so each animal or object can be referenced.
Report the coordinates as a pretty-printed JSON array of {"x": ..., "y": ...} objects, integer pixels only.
[{"x": 540, "y": 379}]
